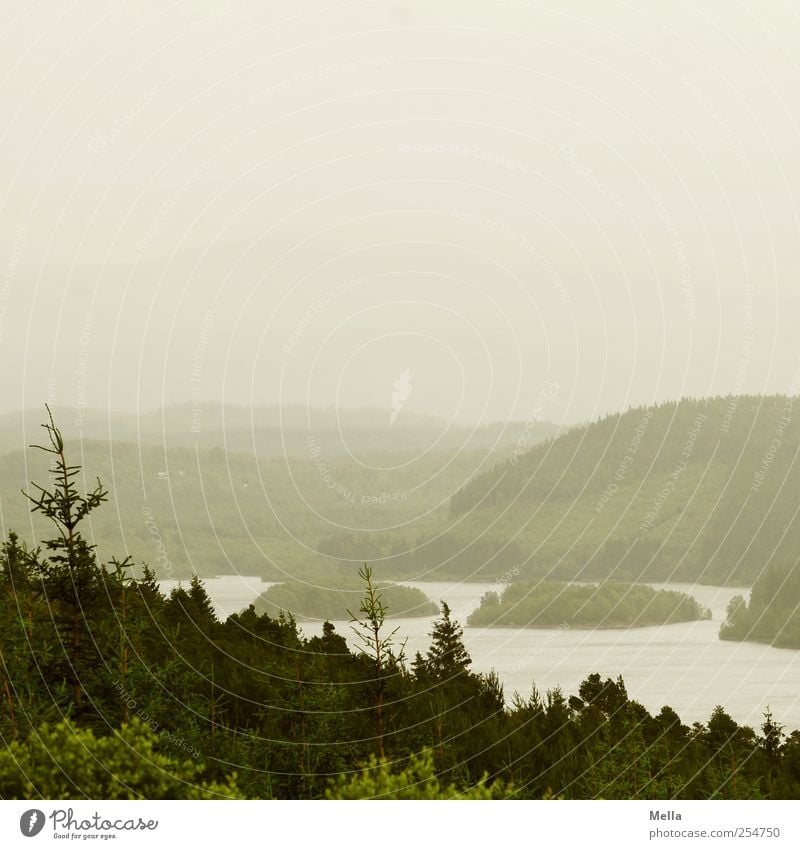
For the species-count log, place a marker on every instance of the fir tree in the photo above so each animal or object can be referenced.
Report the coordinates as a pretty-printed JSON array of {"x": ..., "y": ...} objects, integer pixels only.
[
  {"x": 377, "y": 646},
  {"x": 447, "y": 656},
  {"x": 71, "y": 576}
]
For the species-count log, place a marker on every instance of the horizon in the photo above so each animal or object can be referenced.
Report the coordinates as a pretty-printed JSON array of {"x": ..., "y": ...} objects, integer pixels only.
[
  {"x": 378, "y": 410},
  {"x": 581, "y": 213}
]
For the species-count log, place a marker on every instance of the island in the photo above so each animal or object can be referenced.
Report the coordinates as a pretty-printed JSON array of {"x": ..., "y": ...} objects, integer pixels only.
[
  {"x": 553, "y": 604},
  {"x": 308, "y": 601}
]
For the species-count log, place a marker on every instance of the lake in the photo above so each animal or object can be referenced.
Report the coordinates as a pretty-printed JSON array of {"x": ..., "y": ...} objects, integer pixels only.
[{"x": 684, "y": 665}]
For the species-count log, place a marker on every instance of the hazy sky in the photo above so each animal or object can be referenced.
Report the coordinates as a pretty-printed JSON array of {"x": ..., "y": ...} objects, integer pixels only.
[{"x": 303, "y": 201}]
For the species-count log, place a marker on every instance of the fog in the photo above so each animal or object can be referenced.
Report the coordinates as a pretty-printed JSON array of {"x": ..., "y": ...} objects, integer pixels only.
[{"x": 300, "y": 203}]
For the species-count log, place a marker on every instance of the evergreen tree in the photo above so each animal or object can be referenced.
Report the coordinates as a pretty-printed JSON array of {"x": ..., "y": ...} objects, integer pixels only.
[
  {"x": 377, "y": 646},
  {"x": 71, "y": 577},
  {"x": 447, "y": 657}
]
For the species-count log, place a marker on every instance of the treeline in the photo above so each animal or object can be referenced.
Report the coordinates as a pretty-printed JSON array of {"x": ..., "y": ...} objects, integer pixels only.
[
  {"x": 550, "y": 604},
  {"x": 110, "y": 689},
  {"x": 163, "y": 700},
  {"x": 773, "y": 613},
  {"x": 430, "y": 552}
]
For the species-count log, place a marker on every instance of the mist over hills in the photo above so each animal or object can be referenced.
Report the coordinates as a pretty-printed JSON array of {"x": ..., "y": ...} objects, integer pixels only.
[
  {"x": 276, "y": 431},
  {"x": 183, "y": 503},
  {"x": 696, "y": 490}
]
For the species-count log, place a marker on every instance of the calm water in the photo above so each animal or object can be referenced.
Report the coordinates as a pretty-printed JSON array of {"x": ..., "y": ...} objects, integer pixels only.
[{"x": 684, "y": 665}]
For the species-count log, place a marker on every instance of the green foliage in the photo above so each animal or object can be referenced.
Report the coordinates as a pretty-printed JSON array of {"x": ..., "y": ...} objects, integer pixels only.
[
  {"x": 205, "y": 507},
  {"x": 176, "y": 703},
  {"x": 312, "y": 601},
  {"x": 63, "y": 505},
  {"x": 550, "y": 604},
  {"x": 70, "y": 578},
  {"x": 773, "y": 614},
  {"x": 368, "y": 629},
  {"x": 447, "y": 656},
  {"x": 61, "y": 761},
  {"x": 380, "y": 779},
  {"x": 626, "y": 498},
  {"x": 379, "y": 648}
]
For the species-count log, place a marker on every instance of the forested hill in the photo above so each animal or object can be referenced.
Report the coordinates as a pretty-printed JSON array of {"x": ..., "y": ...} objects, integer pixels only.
[
  {"x": 251, "y": 491},
  {"x": 215, "y": 512},
  {"x": 702, "y": 490}
]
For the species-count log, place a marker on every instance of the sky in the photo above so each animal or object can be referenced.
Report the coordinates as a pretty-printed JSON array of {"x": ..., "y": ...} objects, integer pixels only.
[{"x": 507, "y": 209}]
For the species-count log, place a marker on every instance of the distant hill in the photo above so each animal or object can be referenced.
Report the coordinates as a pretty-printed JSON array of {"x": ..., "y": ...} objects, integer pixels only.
[
  {"x": 185, "y": 507},
  {"x": 697, "y": 490},
  {"x": 291, "y": 431}
]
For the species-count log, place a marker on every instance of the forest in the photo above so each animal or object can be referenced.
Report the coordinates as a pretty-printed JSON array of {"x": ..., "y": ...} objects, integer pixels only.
[
  {"x": 335, "y": 601},
  {"x": 625, "y": 497},
  {"x": 772, "y": 615},
  {"x": 229, "y": 499},
  {"x": 111, "y": 689},
  {"x": 551, "y": 604}
]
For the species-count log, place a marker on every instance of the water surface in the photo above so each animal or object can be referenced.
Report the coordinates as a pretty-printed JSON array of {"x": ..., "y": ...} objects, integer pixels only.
[{"x": 685, "y": 665}]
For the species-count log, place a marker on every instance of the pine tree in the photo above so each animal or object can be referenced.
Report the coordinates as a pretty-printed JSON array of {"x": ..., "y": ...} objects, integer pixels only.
[
  {"x": 71, "y": 577},
  {"x": 377, "y": 646},
  {"x": 16, "y": 567},
  {"x": 447, "y": 656},
  {"x": 773, "y": 735}
]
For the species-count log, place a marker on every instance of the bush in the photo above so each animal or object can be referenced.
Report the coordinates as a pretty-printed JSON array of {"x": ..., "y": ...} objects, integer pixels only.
[
  {"x": 60, "y": 761},
  {"x": 418, "y": 780}
]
